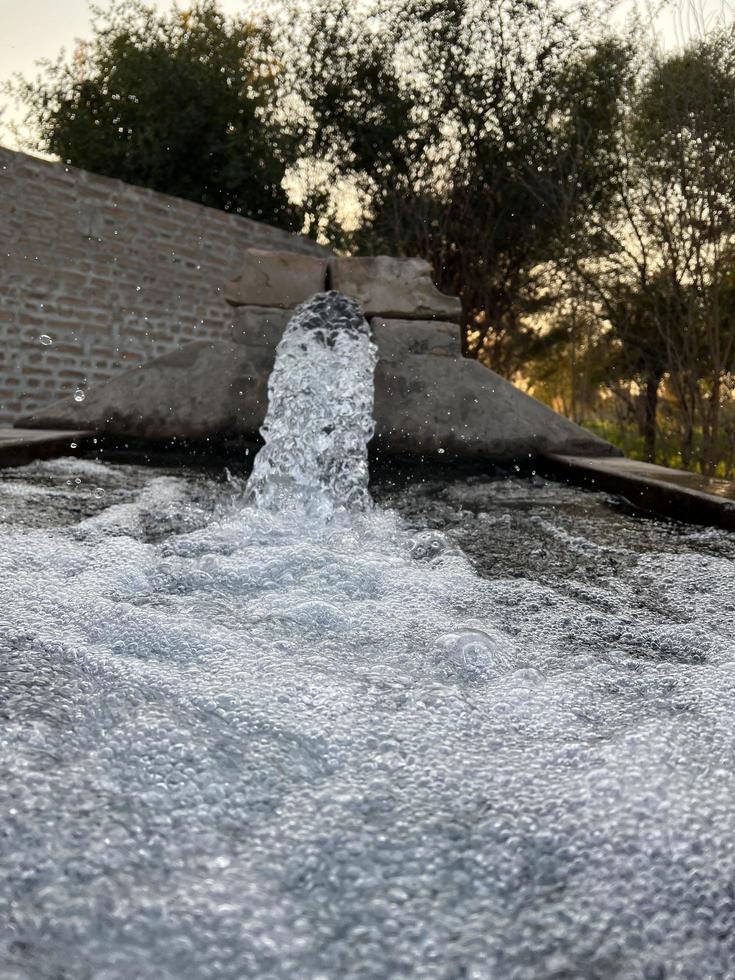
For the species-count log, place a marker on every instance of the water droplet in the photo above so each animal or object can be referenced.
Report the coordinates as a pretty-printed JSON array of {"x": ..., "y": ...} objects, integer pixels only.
[
  {"x": 45, "y": 339},
  {"x": 79, "y": 395},
  {"x": 72, "y": 445},
  {"x": 440, "y": 450},
  {"x": 99, "y": 492},
  {"x": 77, "y": 480}
]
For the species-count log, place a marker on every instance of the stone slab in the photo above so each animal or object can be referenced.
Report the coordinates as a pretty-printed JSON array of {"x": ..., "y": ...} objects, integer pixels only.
[
  {"x": 259, "y": 326},
  {"x": 424, "y": 405},
  {"x": 396, "y": 338},
  {"x": 21, "y": 446},
  {"x": 442, "y": 407},
  {"x": 656, "y": 489},
  {"x": 276, "y": 279},
  {"x": 393, "y": 288},
  {"x": 205, "y": 391}
]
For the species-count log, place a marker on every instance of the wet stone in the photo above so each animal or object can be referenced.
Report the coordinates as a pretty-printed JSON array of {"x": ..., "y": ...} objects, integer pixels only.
[{"x": 397, "y": 338}]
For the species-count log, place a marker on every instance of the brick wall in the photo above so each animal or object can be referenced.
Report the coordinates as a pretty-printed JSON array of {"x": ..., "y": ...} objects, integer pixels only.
[{"x": 113, "y": 274}]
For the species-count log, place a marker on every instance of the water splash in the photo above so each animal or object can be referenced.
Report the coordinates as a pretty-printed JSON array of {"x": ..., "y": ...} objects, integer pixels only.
[{"x": 320, "y": 411}]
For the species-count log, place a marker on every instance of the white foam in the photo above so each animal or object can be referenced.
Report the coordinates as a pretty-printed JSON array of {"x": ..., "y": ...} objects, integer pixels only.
[
  {"x": 288, "y": 748},
  {"x": 294, "y": 738}
]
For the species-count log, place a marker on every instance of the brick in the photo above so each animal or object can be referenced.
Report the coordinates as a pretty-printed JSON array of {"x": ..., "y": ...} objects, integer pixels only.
[{"x": 180, "y": 253}]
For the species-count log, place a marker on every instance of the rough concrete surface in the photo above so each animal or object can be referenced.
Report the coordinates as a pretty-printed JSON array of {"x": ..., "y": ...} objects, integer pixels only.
[
  {"x": 260, "y": 326},
  {"x": 428, "y": 405},
  {"x": 396, "y": 338},
  {"x": 392, "y": 288},
  {"x": 204, "y": 391},
  {"x": 424, "y": 404},
  {"x": 276, "y": 279}
]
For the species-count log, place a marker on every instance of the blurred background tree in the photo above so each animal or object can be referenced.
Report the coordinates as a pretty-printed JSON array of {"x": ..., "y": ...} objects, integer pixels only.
[
  {"x": 184, "y": 102},
  {"x": 465, "y": 126},
  {"x": 659, "y": 263}
]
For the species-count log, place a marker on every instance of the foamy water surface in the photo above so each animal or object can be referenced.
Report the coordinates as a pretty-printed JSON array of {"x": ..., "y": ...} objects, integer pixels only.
[{"x": 484, "y": 730}]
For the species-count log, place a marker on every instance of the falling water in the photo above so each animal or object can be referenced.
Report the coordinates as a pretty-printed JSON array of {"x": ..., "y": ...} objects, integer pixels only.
[{"x": 320, "y": 410}]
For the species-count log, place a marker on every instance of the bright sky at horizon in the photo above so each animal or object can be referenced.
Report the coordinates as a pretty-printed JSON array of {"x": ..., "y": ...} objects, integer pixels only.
[{"x": 33, "y": 30}]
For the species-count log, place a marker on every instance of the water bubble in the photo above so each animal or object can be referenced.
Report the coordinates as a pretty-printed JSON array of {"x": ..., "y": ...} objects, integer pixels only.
[
  {"x": 428, "y": 544},
  {"x": 79, "y": 395},
  {"x": 474, "y": 654},
  {"x": 384, "y": 766},
  {"x": 45, "y": 340}
]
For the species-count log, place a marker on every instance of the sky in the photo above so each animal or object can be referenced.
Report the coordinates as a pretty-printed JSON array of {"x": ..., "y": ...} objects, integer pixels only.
[{"x": 37, "y": 29}]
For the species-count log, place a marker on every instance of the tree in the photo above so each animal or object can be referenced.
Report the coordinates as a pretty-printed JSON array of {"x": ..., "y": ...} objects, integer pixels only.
[
  {"x": 663, "y": 254},
  {"x": 186, "y": 103},
  {"x": 684, "y": 135},
  {"x": 466, "y": 126},
  {"x": 639, "y": 319}
]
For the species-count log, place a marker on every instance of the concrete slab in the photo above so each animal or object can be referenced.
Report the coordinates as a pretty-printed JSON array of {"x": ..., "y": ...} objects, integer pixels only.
[
  {"x": 276, "y": 279},
  {"x": 655, "y": 489},
  {"x": 452, "y": 407},
  {"x": 425, "y": 405},
  {"x": 393, "y": 288},
  {"x": 21, "y": 446},
  {"x": 396, "y": 338},
  {"x": 206, "y": 392}
]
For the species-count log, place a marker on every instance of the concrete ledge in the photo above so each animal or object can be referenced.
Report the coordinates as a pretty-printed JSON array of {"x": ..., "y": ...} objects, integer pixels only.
[
  {"x": 21, "y": 446},
  {"x": 393, "y": 288},
  {"x": 396, "y": 338},
  {"x": 655, "y": 489},
  {"x": 276, "y": 279}
]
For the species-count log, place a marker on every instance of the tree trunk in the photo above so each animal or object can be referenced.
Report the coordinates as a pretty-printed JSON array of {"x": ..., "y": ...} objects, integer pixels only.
[
  {"x": 650, "y": 406},
  {"x": 711, "y": 430}
]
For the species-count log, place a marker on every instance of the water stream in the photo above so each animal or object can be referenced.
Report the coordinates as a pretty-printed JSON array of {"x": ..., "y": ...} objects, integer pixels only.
[
  {"x": 320, "y": 412},
  {"x": 483, "y": 729}
]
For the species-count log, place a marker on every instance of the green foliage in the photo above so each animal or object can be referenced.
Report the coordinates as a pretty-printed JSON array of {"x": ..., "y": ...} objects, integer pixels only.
[
  {"x": 182, "y": 102},
  {"x": 689, "y": 95},
  {"x": 474, "y": 129}
]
